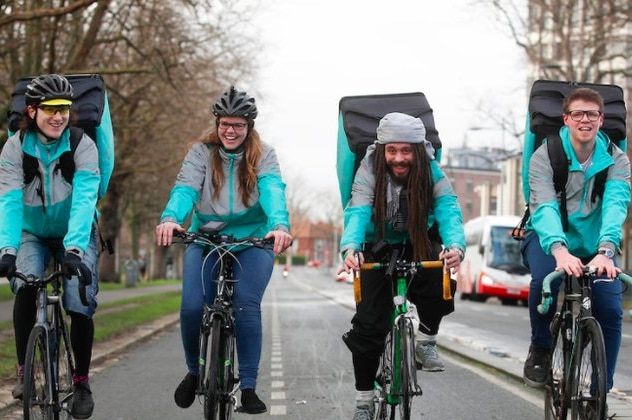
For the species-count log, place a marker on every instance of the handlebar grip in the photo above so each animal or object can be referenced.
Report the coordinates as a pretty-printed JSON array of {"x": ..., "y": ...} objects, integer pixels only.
[
  {"x": 625, "y": 278},
  {"x": 545, "y": 305},
  {"x": 547, "y": 299},
  {"x": 447, "y": 290}
]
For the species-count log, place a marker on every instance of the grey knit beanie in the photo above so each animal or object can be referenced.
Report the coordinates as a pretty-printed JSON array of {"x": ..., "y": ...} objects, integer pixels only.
[{"x": 397, "y": 127}]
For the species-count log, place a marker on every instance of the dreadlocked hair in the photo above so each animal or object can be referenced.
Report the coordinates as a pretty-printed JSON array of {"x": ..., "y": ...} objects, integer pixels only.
[
  {"x": 419, "y": 198},
  {"x": 247, "y": 171}
]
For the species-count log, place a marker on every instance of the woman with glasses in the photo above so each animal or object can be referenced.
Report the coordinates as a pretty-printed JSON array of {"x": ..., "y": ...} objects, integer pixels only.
[
  {"x": 232, "y": 183},
  {"x": 45, "y": 216},
  {"x": 594, "y": 230}
]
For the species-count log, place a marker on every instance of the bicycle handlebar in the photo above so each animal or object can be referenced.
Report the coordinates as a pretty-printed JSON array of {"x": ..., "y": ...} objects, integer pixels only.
[
  {"x": 403, "y": 264},
  {"x": 547, "y": 299},
  {"x": 34, "y": 281},
  {"x": 218, "y": 239},
  {"x": 412, "y": 266}
]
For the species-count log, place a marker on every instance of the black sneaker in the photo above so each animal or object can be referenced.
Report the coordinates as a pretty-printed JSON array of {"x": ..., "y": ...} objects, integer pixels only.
[
  {"x": 536, "y": 366},
  {"x": 82, "y": 403},
  {"x": 250, "y": 403},
  {"x": 185, "y": 393}
]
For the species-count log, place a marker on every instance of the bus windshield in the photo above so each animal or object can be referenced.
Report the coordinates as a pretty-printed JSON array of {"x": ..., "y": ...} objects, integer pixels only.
[{"x": 504, "y": 252}]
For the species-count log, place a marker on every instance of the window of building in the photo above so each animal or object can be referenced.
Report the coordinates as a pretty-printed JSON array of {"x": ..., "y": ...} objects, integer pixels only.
[{"x": 469, "y": 186}]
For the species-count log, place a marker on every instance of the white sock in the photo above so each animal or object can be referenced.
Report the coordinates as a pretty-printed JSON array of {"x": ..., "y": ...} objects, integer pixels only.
[
  {"x": 364, "y": 398},
  {"x": 424, "y": 339}
]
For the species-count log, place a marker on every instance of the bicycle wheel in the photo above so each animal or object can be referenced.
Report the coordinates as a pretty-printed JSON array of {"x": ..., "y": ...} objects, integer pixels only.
[
  {"x": 555, "y": 395},
  {"x": 39, "y": 398},
  {"x": 408, "y": 376},
  {"x": 64, "y": 364},
  {"x": 212, "y": 389},
  {"x": 383, "y": 379},
  {"x": 227, "y": 401},
  {"x": 588, "y": 399}
]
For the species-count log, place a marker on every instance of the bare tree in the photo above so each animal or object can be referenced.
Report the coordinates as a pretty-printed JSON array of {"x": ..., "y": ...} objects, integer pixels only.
[
  {"x": 163, "y": 61},
  {"x": 570, "y": 40}
]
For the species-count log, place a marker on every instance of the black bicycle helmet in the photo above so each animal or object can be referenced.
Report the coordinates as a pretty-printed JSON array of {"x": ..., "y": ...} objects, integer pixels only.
[
  {"x": 234, "y": 103},
  {"x": 50, "y": 88}
]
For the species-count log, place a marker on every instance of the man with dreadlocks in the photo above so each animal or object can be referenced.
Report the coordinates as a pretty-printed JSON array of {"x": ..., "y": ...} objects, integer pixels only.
[{"x": 400, "y": 199}]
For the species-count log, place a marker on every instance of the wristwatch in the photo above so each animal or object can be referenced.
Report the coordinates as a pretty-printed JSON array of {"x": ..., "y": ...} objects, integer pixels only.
[{"x": 607, "y": 252}]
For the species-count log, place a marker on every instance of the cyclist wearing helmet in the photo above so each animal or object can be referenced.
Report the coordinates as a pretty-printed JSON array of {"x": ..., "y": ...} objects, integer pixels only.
[
  {"x": 244, "y": 197},
  {"x": 35, "y": 226}
]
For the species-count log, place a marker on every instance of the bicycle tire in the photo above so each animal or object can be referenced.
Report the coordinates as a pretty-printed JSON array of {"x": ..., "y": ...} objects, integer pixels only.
[
  {"x": 589, "y": 373},
  {"x": 212, "y": 388},
  {"x": 555, "y": 390},
  {"x": 407, "y": 367},
  {"x": 64, "y": 366},
  {"x": 39, "y": 394},
  {"x": 382, "y": 380},
  {"x": 227, "y": 398}
]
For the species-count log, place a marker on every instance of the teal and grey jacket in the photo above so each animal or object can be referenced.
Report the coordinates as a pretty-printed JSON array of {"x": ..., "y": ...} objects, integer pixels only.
[
  {"x": 48, "y": 206},
  {"x": 591, "y": 225},
  {"x": 359, "y": 227},
  {"x": 266, "y": 210}
]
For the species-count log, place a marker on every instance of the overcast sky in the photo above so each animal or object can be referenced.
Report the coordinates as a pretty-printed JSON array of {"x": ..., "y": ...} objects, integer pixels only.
[{"x": 315, "y": 52}]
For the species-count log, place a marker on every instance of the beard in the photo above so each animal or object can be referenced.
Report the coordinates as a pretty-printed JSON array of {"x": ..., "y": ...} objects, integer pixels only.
[{"x": 399, "y": 178}]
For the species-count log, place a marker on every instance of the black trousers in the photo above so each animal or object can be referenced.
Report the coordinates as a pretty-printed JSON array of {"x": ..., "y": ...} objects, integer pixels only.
[{"x": 372, "y": 320}]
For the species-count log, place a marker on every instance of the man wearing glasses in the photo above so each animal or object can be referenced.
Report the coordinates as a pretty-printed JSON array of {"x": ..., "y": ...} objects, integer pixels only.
[
  {"x": 594, "y": 227},
  {"x": 46, "y": 216}
]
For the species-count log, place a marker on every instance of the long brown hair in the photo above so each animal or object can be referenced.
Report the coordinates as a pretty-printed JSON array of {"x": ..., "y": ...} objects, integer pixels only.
[
  {"x": 247, "y": 170},
  {"x": 419, "y": 195}
]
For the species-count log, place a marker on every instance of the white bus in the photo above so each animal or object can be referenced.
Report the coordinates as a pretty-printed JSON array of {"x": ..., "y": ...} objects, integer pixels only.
[{"x": 493, "y": 265}]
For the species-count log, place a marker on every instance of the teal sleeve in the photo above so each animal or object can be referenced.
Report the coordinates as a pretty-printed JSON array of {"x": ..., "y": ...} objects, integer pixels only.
[
  {"x": 272, "y": 200},
  {"x": 85, "y": 189},
  {"x": 11, "y": 209},
  {"x": 356, "y": 220},
  {"x": 181, "y": 202}
]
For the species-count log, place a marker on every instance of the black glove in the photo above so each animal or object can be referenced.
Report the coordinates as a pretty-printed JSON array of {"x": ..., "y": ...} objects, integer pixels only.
[
  {"x": 7, "y": 265},
  {"x": 72, "y": 266}
]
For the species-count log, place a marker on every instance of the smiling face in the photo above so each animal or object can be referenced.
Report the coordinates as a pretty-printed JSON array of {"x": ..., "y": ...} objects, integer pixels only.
[
  {"x": 399, "y": 159},
  {"x": 583, "y": 118},
  {"x": 51, "y": 120},
  {"x": 232, "y": 131}
]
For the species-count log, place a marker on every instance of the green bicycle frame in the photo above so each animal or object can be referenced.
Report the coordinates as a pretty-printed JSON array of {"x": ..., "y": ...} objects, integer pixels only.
[{"x": 401, "y": 307}]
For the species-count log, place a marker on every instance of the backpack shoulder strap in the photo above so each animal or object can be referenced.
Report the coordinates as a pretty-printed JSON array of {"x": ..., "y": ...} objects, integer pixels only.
[
  {"x": 600, "y": 179},
  {"x": 560, "y": 164},
  {"x": 30, "y": 166},
  {"x": 67, "y": 159}
]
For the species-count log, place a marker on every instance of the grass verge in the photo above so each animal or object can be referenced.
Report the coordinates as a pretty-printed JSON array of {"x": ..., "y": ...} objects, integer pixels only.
[{"x": 109, "y": 321}]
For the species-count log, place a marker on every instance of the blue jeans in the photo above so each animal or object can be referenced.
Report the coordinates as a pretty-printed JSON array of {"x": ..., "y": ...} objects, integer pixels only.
[
  {"x": 253, "y": 269},
  {"x": 607, "y": 307},
  {"x": 35, "y": 255}
]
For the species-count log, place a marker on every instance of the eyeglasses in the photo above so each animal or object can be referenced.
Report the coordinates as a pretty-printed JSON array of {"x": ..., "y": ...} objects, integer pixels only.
[
  {"x": 51, "y": 110},
  {"x": 578, "y": 115},
  {"x": 236, "y": 126}
]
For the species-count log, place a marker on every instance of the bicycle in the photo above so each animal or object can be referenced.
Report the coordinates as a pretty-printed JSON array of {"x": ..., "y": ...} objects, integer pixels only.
[
  {"x": 396, "y": 380},
  {"x": 217, "y": 383},
  {"x": 577, "y": 377},
  {"x": 49, "y": 364}
]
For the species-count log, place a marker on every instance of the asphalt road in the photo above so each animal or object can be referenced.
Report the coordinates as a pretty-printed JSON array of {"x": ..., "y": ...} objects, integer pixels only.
[{"x": 306, "y": 370}]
